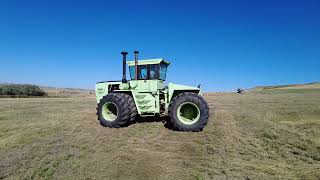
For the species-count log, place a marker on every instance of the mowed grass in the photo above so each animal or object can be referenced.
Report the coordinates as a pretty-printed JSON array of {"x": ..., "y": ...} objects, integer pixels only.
[{"x": 255, "y": 135}]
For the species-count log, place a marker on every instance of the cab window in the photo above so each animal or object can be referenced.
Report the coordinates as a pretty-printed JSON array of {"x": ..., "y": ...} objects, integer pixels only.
[
  {"x": 163, "y": 71},
  {"x": 151, "y": 71},
  {"x": 142, "y": 72},
  {"x": 154, "y": 71}
]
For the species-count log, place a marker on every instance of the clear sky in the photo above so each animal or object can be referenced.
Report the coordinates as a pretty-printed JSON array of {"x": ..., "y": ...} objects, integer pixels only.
[{"x": 221, "y": 44}]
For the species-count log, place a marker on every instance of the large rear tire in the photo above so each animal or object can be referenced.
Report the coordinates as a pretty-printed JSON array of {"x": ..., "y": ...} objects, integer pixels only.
[
  {"x": 116, "y": 110},
  {"x": 188, "y": 112},
  {"x": 132, "y": 107}
]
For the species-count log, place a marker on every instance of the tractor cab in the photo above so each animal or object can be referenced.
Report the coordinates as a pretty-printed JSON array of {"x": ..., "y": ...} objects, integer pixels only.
[{"x": 150, "y": 69}]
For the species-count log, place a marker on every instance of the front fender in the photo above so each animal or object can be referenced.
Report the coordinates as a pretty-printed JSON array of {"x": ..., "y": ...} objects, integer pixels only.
[{"x": 103, "y": 88}]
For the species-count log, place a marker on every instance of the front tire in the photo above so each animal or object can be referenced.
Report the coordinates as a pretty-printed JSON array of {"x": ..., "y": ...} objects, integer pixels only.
[
  {"x": 188, "y": 112},
  {"x": 115, "y": 110}
]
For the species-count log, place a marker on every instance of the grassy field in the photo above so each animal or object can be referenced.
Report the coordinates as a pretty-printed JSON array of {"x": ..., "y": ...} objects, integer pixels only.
[
  {"x": 66, "y": 92},
  {"x": 256, "y": 135}
]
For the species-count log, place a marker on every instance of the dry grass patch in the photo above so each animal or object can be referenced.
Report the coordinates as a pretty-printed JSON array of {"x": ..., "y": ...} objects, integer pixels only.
[{"x": 249, "y": 136}]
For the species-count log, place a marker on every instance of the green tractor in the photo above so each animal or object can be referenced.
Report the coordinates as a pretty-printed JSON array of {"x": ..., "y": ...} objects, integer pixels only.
[{"x": 120, "y": 102}]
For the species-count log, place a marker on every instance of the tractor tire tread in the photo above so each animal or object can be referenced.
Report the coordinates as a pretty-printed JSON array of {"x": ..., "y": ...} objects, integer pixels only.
[
  {"x": 123, "y": 106},
  {"x": 188, "y": 97},
  {"x": 133, "y": 109}
]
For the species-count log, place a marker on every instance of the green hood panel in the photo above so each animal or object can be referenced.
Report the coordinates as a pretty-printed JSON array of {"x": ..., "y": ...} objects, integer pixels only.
[{"x": 102, "y": 88}]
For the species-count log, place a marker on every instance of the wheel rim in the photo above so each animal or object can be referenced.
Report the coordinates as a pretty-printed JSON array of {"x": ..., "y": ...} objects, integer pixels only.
[
  {"x": 188, "y": 113},
  {"x": 109, "y": 111}
]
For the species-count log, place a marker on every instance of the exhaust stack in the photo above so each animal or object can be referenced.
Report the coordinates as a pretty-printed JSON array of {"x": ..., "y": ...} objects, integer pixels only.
[
  {"x": 124, "y": 70},
  {"x": 136, "y": 64}
]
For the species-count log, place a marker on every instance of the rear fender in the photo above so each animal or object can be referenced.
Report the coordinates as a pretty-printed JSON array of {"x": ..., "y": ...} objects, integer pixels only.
[{"x": 175, "y": 89}]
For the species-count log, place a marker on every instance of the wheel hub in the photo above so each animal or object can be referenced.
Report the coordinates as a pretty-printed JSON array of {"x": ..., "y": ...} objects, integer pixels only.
[
  {"x": 188, "y": 113},
  {"x": 109, "y": 111}
]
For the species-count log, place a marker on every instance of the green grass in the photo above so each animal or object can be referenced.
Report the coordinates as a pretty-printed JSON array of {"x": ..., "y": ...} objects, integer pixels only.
[{"x": 255, "y": 135}]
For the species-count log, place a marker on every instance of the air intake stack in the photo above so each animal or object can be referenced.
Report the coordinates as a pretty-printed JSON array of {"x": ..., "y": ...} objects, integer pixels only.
[
  {"x": 136, "y": 64},
  {"x": 124, "y": 70}
]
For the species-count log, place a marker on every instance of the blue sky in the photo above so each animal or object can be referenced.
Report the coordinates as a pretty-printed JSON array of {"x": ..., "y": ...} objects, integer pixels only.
[{"x": 221, "y": 44}]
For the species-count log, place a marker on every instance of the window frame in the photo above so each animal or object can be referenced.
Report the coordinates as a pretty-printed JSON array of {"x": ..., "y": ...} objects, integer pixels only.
[{"x": 148, "y": 66}]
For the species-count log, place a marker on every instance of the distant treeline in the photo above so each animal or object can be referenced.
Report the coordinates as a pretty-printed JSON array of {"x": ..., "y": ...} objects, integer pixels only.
[{"x": 21, "y": 90}]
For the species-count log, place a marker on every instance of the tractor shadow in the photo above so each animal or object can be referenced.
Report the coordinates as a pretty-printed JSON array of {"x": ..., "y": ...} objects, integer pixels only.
[{"x": 153, "y": 119}]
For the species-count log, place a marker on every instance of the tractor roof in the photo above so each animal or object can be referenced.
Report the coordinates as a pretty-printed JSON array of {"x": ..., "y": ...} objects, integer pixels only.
[{"x": 148, "y": 61}]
